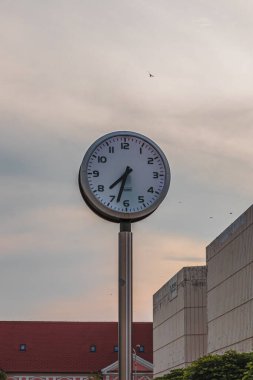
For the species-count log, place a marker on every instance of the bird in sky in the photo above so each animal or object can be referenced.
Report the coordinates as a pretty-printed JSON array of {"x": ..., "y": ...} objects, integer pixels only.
[{"x": 151, "y": 75}]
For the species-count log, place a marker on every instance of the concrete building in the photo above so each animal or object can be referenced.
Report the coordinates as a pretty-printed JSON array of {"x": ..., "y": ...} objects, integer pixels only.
[
  {"x": 71, "y": 350},
  {"x": 180, "y": 325},
  {"x": 230, "y": 287},
  {"x": 191, "y": 304}
]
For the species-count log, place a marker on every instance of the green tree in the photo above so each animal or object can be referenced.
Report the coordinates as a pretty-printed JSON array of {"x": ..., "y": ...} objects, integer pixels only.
[
  {"x": 175, "y": 374},
  {"x": 248, "y": 375},
  {"x": 229, "y": 366},
  {"x": 3, "y": 375},
  {"x": 96, "y": 376}
]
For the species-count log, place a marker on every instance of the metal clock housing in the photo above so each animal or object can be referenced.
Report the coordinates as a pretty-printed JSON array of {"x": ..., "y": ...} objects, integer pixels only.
[{"x": 124, "y": 176}]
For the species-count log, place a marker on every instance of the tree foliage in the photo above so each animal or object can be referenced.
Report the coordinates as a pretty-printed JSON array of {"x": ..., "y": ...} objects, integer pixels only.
[
  {"x": 175, "y": 374},
  {"x": 248, "y": 375},
  {"x": 3, "y": 375},
  {"x": 229, "y": 366}
]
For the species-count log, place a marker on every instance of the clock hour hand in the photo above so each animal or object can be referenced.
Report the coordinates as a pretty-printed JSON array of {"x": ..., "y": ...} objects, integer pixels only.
[
  {"x": 117, "y": 181},
  {"x": 124, "y": 178},
  {"x": 121, "y": 178}
]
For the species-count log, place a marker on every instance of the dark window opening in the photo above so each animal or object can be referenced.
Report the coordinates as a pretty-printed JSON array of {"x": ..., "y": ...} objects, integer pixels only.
[
  {"x": 22, "y": 347},
  {"x": 93, "y": 348},
  {"x": 141, "y": 349}
]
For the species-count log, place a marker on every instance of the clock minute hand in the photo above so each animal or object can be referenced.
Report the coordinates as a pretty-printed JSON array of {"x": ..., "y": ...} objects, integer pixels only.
[{"x": 124, "y": 178}]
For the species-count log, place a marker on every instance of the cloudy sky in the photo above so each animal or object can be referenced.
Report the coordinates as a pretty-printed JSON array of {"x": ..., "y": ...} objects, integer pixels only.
[{"x": 73, "y": 70}]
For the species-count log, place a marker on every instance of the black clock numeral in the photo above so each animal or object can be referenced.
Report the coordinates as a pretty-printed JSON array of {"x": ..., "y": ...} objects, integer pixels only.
[
  {"x": 140, "y": 150},
  {"x": 151, "y": 190},
  {"x": 155, "y": 174},
  {"x": 111, "y": 149},
  {"x": 141, "y": 199},
  {"x": 150, "y": 160},
  {"x": 126, "y": 203},
  {"x": 102, "y": 159},
  {"x": 101, "y": 188},
  {"x": 112, "y": 198},
  {"x": 124, "y": 145},
  {"x": 95, "y": 173}
]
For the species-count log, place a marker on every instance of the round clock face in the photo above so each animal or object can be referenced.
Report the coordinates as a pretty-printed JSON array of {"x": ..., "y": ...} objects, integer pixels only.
[{"x": 124, "y": 176}]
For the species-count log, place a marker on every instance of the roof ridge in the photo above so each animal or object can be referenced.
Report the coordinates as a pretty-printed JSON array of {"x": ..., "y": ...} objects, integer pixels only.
[{"x": 73, "y": 322}]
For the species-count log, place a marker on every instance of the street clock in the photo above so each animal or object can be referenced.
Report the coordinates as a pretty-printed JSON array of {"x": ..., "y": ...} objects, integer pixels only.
[{"x": 124, "y": 176}]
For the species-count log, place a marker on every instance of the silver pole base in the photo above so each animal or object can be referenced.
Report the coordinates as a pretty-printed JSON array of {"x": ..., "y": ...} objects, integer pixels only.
[{"x": 125, "y": 303}]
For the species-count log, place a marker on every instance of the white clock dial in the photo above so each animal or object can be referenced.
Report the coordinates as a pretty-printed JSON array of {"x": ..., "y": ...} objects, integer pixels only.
[{"x": 124, "y": 176}]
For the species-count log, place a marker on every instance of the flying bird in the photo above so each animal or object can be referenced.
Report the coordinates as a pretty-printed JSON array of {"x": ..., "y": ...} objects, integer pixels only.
[{"x": 151, "y": 75}]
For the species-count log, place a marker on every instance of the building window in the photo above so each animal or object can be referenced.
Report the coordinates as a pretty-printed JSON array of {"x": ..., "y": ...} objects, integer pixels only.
[
  {"x": 22, "y": 347},
  {"x": 93, "y": 348},
  {"x": 116, "y": 349},
  {"x": 141, "y": 348}
]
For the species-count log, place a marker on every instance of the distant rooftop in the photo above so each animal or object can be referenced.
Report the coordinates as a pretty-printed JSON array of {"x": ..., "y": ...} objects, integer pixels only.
[{"x": 64, "y": 347}]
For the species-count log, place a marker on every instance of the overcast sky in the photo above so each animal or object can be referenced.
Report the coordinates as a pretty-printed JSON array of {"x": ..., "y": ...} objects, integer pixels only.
[{"x": 71, "y": 71}]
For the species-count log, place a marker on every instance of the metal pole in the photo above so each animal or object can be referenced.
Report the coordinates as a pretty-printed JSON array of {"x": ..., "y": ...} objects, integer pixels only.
[{"x": 125, "y": 301}]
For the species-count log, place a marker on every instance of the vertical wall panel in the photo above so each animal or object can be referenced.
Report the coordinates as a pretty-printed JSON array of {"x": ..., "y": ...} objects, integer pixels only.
[
  {"x": 179, "y": 334},
  {"x": 230, "y": 287}
]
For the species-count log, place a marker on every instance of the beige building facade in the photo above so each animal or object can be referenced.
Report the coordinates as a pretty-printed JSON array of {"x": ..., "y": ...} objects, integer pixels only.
[
  {"x": 180, "y": 324},
  {"x": 204, "y": 310},
  {"x": 230, "y": 287}
]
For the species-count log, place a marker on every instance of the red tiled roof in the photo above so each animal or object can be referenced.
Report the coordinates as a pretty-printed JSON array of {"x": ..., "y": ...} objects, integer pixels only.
[{"x": 57, "y": 347}]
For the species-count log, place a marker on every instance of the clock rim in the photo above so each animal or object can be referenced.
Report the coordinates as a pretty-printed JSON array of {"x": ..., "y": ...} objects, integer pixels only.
[{"x": 102, "y": 210}]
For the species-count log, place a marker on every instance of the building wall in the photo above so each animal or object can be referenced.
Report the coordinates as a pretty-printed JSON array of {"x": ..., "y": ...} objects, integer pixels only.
[
  {"x": 179, "y": 320},
  {"x": 111, "y": 376},
  {"x": 230, "y": 287},
  {"x": 49, "y": 377}
]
